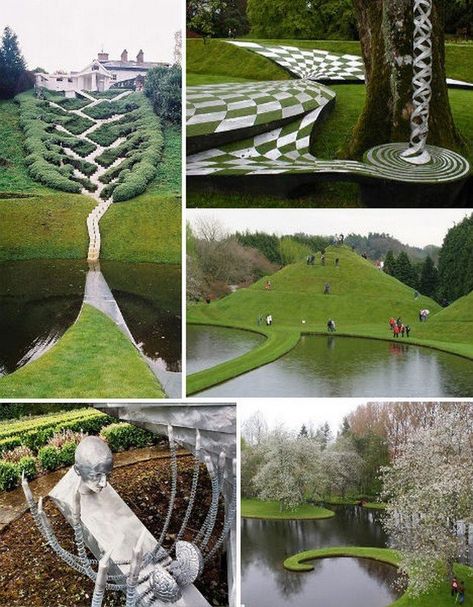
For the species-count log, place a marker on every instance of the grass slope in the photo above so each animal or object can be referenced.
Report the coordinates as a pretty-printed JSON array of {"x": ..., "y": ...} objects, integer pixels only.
[
  {"x": 361, "y": 301},
  {"x": 220, "y": 59},
  {"x": 436, "y": 597},
  {"x": 13, "y": 173},
  {"x": 251, "y": 508},
  {"x": 44, "y": 226},
  {"x": 93, "y": 359}
]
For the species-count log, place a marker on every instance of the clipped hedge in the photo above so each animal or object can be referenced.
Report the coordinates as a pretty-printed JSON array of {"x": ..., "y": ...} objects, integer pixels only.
[
  {"x": 122, "y": 436},
  {"x": 7, "y": 444},
  {"x": 9, "y": 475},
  {"x": 49, "y": 457},
  {"x": 28, "y": 466}
]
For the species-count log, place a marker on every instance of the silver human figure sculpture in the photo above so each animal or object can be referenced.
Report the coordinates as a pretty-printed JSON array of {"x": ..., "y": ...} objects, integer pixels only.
[
  {"x": 128, "y": 557},
  {"x": 417, "y": 152}
]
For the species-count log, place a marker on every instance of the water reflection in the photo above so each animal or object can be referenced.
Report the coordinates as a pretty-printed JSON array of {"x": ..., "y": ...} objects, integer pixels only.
[
  {"x": 208, "y": 346},
  {"x": 265, "y": 545},
  {"x": 344, "y": 366},
  {"x": 40, "y": 299}
]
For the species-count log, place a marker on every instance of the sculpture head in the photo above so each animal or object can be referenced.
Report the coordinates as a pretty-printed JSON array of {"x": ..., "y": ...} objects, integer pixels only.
[{"x": 93, "y": 463}]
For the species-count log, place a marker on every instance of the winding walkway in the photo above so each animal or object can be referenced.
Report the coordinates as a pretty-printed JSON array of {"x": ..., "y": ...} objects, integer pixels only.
[{"x": 99, "y": 211}]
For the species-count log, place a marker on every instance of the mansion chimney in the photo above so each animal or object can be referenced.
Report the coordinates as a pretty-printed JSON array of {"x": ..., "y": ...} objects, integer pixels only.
[
  {"x": 124, "y": 56},
  {"x": 102, "y": 56},
  {"x": 140, "y": 57}
]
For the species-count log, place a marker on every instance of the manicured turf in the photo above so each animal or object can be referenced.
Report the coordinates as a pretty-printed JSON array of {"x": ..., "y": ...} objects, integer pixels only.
[
  {"x": 219, "y": 58},
  {"x": 341, "y": 501},
  {"x": 251, "y": 508},
  {"x": 13, "y": 174},
  {"x": 49, "y": 226},
  {"x": 361, "y": 301},
  {"x": 93, "y": 359},
  {"x": 436, "y": 597},
  {"x": 147, "y": 228}
]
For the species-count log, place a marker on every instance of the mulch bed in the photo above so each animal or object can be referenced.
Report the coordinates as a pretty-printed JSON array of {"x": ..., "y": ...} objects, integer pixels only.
[{"x": 31, "y": 575}]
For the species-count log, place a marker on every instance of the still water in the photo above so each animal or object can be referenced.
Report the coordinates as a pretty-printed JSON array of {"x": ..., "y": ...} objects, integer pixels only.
[
  {"x": 41, "y": 299},
  {"x": 334, "y": 581},
  {"x": 330, "y": 366}
]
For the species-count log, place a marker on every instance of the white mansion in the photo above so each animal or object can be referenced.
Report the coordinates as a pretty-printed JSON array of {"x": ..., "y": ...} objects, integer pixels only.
[{"x": 101, "y": 74}]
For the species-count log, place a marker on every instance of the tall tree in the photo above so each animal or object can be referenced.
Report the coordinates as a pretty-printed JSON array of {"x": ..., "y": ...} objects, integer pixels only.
[
  {"x": 428, "y": 282},
  {"x": 12, "y": 65},
  {"x": 390, "y": 263},
  {"x": 404, "y": 270},
  {"x": 456, "y": 261},
  {"x": 386, "y": 32},
  {"x": 163, "y": 86}
]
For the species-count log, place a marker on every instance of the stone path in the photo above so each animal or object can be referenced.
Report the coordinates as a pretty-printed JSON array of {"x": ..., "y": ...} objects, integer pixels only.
[
  {"x": 102, "y": 205},
  {"x": 98, "y": 294},
  {"x": 13, "y": 505}
]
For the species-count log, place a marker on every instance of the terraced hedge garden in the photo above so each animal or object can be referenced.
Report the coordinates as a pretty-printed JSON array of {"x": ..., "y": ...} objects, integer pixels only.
[{"x": 68, "y": 140}]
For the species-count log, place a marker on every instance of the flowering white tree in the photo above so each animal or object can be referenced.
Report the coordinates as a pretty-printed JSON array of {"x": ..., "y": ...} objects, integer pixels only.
[
  {"x": 343, "y": 465},
  {"x": 290, "y": 468},
  {"x": 429, "y": 490}
]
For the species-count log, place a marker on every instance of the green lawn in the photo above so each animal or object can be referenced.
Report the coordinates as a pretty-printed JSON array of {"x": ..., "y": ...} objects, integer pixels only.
[
  {"x": 48, "y": 226},
  {"x": 362, "y": 300},
  {"x": 251, "y": 508},
  {"x": 93, "y": 359},
  {"x": 13, "y": 174},
  {"x": 437, "y": 597}
]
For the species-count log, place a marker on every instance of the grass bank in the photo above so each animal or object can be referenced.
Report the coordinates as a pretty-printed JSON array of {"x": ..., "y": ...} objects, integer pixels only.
[
  {"x": 361, "y": 300},
  {"x": 438, "y": 596},
  {"x": 93, "y": 359},
  {"x": 252, "y": 508}
]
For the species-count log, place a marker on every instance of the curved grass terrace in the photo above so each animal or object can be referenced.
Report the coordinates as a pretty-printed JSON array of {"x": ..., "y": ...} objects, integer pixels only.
[
  {"x": 361, "y": 301},
  {"x": 93, "y": 359},
  {"x": 436, "y": 597},
  {"x": 252, "y": 508}
]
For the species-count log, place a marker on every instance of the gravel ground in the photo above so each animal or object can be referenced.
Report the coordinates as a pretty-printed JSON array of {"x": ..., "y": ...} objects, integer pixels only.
[{"x": 32, "y": 576}]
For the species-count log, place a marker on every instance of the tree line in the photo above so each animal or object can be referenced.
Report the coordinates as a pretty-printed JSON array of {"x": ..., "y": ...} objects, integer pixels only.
[
  {"x": 451, "y": 278},
  {"x": 300, "y": 19}
]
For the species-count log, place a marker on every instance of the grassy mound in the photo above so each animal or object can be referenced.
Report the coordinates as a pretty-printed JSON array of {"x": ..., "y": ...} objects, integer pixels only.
[
  {"x": 93, "y": 359},
  {"x": 251, "y": 508},
  {"x": 361, "y": 301},
  {"x": 227, "y": 63},
  {"x": 436, "y": 597},
  {"x": 48, "y": 226}
]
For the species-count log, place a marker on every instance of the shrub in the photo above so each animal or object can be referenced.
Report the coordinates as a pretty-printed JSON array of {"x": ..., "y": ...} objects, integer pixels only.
[
  {"x": 16, "y": 454},
  {"x": 121, "y": 436},
  {"x": 66, "y": 453},
  {"x": 7, "y": 444},
  {"x": 35, "y": 439},
  {"x": 49, "y": 457},
  {"x": 9, "y": 475},
  {"x": 28, "y": 466},
  {"x": 59, "y": 439}
]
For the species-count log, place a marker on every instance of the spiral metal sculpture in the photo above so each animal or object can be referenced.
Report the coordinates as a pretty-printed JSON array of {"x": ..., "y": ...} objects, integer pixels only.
[{"x": 417, "y": 152}]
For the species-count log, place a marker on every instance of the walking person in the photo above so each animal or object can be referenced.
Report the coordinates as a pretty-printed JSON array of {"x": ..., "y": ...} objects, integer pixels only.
[
  {"x": 326, "y": 289},
  {"x": 408, "y": 330},
  {"x": 337, "y": 262},
  {"x": 461, "y": 593},
  {"x": 322, "y": 260},
  {"x": 403, "y": 330},
  {"x": 396, "y": 330},
  {"x": 331, "y": 328},
  {"x": 269, "y": 319},
  {"x": 454, "y": 586}
]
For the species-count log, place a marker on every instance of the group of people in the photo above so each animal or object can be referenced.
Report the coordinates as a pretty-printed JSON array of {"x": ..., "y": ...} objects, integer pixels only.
[
  {"x": 458, "y": 590},
  {"x": 399, "y": 328}
]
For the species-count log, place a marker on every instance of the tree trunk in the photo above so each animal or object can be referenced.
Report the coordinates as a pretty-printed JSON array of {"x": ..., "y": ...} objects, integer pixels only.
[{"x": 386, "y": 31}]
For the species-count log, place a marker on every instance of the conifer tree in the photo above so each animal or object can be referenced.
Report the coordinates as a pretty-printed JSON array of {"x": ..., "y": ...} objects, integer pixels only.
[{"x": 12, "y": 65}]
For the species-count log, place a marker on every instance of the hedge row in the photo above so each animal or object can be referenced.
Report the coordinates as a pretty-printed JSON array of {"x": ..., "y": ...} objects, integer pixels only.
[
  {"x": 86, "y": 168},
  {"x": 108, "y": 109},
  {"x": 109, "y": 94},
  {"x": 45, "y": 156},
  {"x": 132, "y": 143},
  {"x": 119, "y": 436},
  {"x": 37, "y": 435}
]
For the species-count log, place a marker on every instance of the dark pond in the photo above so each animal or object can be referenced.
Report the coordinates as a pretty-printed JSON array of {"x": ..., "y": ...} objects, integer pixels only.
[
  {"x": 346, "y": 366},
  {"x": 40, "y": 300},
  {"x": 208, "y": 346},
  {"x": 334, "y": 581}
]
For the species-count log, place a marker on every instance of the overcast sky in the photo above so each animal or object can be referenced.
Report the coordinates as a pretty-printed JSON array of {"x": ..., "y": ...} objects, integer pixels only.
[
  {"x": 67, "y": 34},
  {"x": 417, "y": 227},
  {"x": 294, "y": 413}
]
